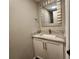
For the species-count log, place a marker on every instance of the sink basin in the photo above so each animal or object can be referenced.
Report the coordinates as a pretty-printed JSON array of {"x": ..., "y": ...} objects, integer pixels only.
[{"x": 49, "y": 36}]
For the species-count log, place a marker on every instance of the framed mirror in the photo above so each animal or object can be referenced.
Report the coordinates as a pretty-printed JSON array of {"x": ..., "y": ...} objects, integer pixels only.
[{"x": 51, "y": 13}]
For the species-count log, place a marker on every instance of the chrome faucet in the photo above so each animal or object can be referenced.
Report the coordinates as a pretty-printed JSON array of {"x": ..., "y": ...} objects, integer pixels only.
[{"x": 50, "y": 32}]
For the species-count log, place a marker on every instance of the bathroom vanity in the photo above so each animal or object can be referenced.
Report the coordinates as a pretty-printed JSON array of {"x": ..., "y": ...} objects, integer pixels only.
[
  {"x": 49, "y": 46},
  {"x": 52, "y": 19}
]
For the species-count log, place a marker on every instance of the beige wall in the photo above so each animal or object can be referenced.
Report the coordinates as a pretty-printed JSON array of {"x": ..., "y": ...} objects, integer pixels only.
[{"x": 22, "y": 25}]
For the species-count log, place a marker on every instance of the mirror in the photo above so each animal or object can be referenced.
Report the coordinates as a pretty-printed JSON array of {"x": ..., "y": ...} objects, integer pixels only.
[{"x": 51, "y": 13}]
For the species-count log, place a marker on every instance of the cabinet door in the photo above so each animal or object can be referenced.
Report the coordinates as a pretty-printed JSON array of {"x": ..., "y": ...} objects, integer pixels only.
[
  {"x": 38, "y": 47},
  {"x": 55, "y": 50}
]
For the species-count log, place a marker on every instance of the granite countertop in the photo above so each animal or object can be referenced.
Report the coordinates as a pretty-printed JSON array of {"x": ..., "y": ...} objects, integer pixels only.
[{"x": 49, "y": 37}]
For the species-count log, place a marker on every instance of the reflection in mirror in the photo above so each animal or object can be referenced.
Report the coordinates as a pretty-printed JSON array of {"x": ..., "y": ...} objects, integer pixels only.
[{"x": 51, "y": 13}]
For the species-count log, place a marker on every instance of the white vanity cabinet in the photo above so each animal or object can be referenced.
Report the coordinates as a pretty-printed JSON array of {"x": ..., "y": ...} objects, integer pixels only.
[
  {"x": 38, "y": 47},
  {"x": 54, "y": 50},
  {"x": 48, "y": 49}
]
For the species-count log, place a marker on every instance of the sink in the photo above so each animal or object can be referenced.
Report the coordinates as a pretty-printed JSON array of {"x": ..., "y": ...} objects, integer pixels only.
[{"x": 49, "y": 35}]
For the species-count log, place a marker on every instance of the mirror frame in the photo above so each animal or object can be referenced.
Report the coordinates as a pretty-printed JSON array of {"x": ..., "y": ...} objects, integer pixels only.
[{"x": 53, "y": 25}]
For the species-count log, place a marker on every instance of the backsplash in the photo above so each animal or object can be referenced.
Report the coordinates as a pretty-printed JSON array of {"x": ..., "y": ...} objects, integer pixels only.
[
  {"x": 53, "y": 31},
  {"x": 59, "y": 30},
  {"x": 59, "y": 33}
]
